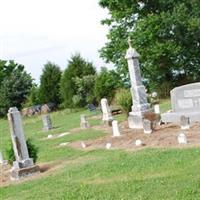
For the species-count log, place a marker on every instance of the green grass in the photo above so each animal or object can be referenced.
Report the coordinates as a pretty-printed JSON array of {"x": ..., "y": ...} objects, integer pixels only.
[{"x": 104, "y": 174}]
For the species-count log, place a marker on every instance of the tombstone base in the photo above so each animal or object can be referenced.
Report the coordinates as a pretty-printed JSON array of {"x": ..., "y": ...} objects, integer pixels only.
[
  {"x": 135, "y": 121},
  {"x": 16, "y": 174},
  {"x": 175, "y": 117},
  {"x": 108, "y": 122}
]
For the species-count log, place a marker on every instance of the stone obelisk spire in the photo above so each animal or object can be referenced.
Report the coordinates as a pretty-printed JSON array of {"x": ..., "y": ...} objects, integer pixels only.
[{"x": 138, "y": 91}]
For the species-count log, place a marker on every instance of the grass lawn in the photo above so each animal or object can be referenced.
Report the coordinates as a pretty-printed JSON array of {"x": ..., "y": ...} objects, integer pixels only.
[{"x": 103, "y": 174}]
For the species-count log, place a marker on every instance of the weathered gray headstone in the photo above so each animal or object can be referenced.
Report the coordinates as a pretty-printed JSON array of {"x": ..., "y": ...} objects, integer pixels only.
[
  {"x": 147, "y": 126},
  {"x": 23, "y": 166},
  {"x": 47, "y": 124},
  {"x": 107, "y": 115},
  {"x": 115, "y": 128},
  {"x": 84, "y": 122},
  {"x": 184, "y": 122},
  {"x": 185, "y": 100},
  {"x": 138, "y": 91}
]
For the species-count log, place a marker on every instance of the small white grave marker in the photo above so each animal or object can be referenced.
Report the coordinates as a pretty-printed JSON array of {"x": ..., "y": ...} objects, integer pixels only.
[
  {"x": 157, "y": 108},
  {"x": 115, "y": 128},
  {"x": 138, "y": 143},
  {"x": 182, "y": 139},
  {"x": 108, "y": 145},
  {"x": 63, "y": 134},
  {"x": 1, "y": 158},
  {"x": 49, "y": 136},
  {"x": 83, "y": 145},
  {"x": 64, "y": 144}
]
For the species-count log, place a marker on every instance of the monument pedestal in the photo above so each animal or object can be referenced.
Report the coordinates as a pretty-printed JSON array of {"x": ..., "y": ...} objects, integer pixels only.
[{"x": 18, "y": 173}]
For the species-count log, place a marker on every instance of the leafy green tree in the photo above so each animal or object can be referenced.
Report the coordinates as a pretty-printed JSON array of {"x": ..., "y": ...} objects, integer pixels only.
[
  {"x": 15, "y": 85},
  {"x": 106, "y": 84},
  {"x": 77, "y": 68},
  {"x": 50, "y": 84},
  {"x": 33, "y": 97},
  {"x": 85, "y": 90},
  {"x": 165, "y": 33}
]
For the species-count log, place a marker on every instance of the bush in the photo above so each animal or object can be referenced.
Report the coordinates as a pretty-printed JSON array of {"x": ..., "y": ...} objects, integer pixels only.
[
  {"x": 124, "y": 100},
  {"x": 106, "y": 84},
  {"x": 32, "y": 150}
]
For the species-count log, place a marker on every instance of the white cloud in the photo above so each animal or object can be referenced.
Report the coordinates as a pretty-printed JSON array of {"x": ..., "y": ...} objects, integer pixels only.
[{"x": 34, "y": 31}]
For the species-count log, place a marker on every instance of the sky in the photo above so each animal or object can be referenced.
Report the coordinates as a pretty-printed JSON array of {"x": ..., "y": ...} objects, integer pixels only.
[{"x": 36, "y": 31}]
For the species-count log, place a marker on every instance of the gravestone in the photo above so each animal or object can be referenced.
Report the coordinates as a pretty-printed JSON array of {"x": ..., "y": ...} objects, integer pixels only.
[
  {"x": 182, "y": 139},
  {"x": 47, "y": 124},
  {"x": 185, "y": 100},
  {"x": 138, "y": 91},
  {"x": 115, "y": 128},
  {"x": 1, "y": 158},
  {"x": 23, "y": 166},
  {"x": 157, "y": 108},
  {"x": 107, "y": 116},
  {"x": 84, "y": 122},
  {"x": 184, "y": 122},
  {"x": 138, "y": 143},
  {"x": 108, "y": 145},
  {"x": 147, "y": 125}
]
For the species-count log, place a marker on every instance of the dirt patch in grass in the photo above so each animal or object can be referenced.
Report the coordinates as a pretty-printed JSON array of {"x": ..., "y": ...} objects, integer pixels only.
[
  {"x": 164, "y": 136},
  {"x": 46, "y": 169}
]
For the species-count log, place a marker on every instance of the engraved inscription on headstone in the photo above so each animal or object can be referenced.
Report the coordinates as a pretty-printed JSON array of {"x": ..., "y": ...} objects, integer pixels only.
[{"x": 185, "y": 100}]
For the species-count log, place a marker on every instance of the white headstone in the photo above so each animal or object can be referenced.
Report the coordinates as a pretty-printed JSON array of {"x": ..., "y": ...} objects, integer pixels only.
[
  {"x": 182, "y": 139},
  {"x": 1, "y": 158},
  {"x": 115, "y": 128},
  {"x": 108, "y": 145},
  {"x": 107, "y": 116},
  {"x": 83, "y": 145},
  {"x": 50, "y": 136},
  {"x": 138, "y": 143},
  {"x": 157, "y": 108}
]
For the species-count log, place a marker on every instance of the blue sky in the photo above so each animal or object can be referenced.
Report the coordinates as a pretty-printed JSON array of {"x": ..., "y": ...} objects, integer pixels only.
[{"x": 35, "y": 31}]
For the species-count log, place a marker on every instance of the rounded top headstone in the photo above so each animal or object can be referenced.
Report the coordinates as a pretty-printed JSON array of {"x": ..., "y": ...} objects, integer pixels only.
[{"x": 13, "y": 109}]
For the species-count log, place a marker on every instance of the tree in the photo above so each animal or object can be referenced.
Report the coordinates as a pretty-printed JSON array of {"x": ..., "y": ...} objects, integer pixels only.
[
  {"x": 33, "y": 97},
  {"x": 77, "y": 68},
  {"x": 50, "y": 84},
  {"x": 106, "y": 84},
  {"x": 84, "y": 90},
  {"x": 165, "y": 33},
  {"x": 15, "y": 85}
]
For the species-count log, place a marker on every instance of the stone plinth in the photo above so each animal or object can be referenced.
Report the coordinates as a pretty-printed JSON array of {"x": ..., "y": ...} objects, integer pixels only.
[
  {"x": 19, "y": 143},
  {"x": 138, "y": 91}
]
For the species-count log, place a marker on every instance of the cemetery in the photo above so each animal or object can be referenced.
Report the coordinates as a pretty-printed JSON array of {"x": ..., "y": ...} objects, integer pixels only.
[{"x": 128, "y": 133}]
